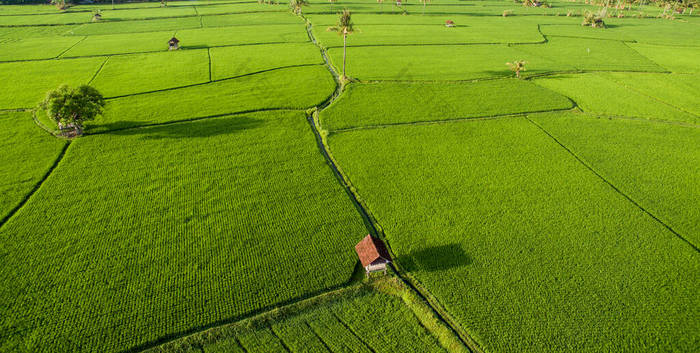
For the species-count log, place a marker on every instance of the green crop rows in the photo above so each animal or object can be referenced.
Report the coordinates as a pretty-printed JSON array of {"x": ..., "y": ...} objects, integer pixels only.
[{"x": 214, "y": 206}]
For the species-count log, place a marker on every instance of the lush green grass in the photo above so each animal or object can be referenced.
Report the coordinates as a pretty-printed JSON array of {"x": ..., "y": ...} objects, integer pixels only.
[
  {"x": 211, "y": 37},
  {"x": 391, "y": 103},
  {"x": 641, "y": 158},
  {"x": 365, "y": 321},
  {"x": 276, "y": 18},
  {"x": 173, "y": 228},
  {"x": 591, "y": 54},
  {"x": 292, "y": 88},
  {"x": 680, "y": 91},
  {"x": 439, "y": 62},
  {"x": 121, "y": 44},
  {"x": 528, "y": 249},
  {"x": 24, "y": 84},
  {"x": 490, "y": 30},
  {"x": 242, "y": 7},
  {"x": 27, "y": 154},
  {"x": 47, "y": 19},
  {"x": 599, "y": 95},
  {"x": 240, "y": 60},
  {"x": 35, "y": 48},
  {"x": 653, "y": 31},
  {"x": 676, "y": 59},
  {"x": 33, "y": 32},
  {"x": 165, "y": 24},
  {"x": 129, "y": 74},
  {"x": 135, "y": 14}
]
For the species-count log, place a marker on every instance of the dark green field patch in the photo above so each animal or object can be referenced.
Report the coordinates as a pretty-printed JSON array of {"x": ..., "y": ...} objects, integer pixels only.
[
  {"x": 180, "y": 227},
  {"x": 394, "y": 103}
]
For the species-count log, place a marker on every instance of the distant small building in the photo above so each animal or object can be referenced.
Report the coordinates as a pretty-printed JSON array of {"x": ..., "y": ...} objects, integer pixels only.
[
  {"x": 373, "y": 254},
  {"x": 173, "y": 44},
  {"x": 96, "y": 17},
  {"x": 398, "y": 2},
  {"x": 449, "y": 23}
]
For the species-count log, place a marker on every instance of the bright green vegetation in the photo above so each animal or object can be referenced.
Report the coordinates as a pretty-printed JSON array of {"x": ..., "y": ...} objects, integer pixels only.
[
  {"x": 236, "y": 35},
  {"x": 171, "y": 248},
  {"x": 591, "y": 54},
  {"x": 392, "y": 103},
  {"x": 553, "y": 213},
  {"x": 652, "y": 31},
  {"x": 35, "y": 48},
  {"x": 292, "y": 88},
  {"x": 24, "y": 84},
  {"x": 680, "y": 91},
  {"x": 121, "y": 44},
  {"x": 647, "y": 166},
  {"x": 239, "y": 60},
  {"x": 129, "y": 74},
  {"x": 27, "y": 154},
  {"x": 363, "y": 321},
  {"x": 607, "y": 97},
  {"x": 525, "y": 246},
  {"x": 437, "y": 62},
  {"x": 676, "y": 59},
  {"x": 479, "y": 32}
]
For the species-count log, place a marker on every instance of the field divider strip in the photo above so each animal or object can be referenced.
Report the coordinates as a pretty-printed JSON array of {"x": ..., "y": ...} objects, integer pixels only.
[
  {"x": 212, "y": 81},
  {"x": 69, "y": 48},
  {"x": 209, "y": 56},
  {"x": 98, "y": 70},
  {"x": 452, "y": 120},
  {"x": 37, "y": 186},
  {"x": 370, "y": 221},
  {"x": 606, "y": 181}
]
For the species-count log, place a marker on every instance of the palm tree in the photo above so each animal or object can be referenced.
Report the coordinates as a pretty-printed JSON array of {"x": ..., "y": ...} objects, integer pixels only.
[
  {"x": 425, "y": 2},
  {"x": 381, "y": 5},
  {"x": 297, "y": 4},
  {"x": 517, "y": 66},
  {"x": 332, "y": 2},
  {"x": 344, "y": 28}
]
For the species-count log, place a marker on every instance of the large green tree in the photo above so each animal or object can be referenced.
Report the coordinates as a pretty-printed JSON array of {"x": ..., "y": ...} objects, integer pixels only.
[
  {"x": 70, "y": 108},
  {"x": 344, "y": 28}
]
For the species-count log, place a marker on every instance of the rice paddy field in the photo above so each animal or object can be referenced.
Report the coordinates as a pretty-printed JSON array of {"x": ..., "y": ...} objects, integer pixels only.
[{"x": 215, "y": 204}]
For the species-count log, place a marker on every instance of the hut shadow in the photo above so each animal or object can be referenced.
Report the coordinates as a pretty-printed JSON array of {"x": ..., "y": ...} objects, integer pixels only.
[
  {"x": 435, "y": 258},
  {"x": 189, "y": 129}
]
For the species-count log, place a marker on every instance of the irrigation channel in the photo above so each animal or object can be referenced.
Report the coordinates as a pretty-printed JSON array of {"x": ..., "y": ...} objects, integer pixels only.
[{"x": 369, "y": 220}]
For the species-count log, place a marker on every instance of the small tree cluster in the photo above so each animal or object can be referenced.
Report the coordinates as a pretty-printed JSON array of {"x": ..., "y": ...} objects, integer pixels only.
[
  {"x": 594, "y": 19},
  {"x": 70, "y": 108},
  {"x": 517, "y": 66}
]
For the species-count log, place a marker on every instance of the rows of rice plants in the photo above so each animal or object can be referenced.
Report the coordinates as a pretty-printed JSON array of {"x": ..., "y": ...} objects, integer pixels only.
[
  {"x": 136, "y": 73},
  {"x": 291, "y": 88},
  {"x": 110, "y": 44},
  {"x": 239, "y": 60},
  {"x": 672, "y": 58},
  {"x": 678, "y": 90},
  {"x": 650, "y": 31},
  {"x": 367, "y": 104},
  {"x": 26, "y": 49},
  {"x": 25, "y": 83},
  {"x": 365, "y": 321},
  {"x": 453, "y": 62},
  {"x": 647, "y": 166},
  {"x": 27, "y": 154},
  {"x": 147, "y": 233},
  {"x": 606, "y": 97},
  {"x": 527, "y": 248}
]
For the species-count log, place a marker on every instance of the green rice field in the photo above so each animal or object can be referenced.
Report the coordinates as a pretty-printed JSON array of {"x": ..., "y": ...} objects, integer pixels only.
[{"x": 215, "y": 204}]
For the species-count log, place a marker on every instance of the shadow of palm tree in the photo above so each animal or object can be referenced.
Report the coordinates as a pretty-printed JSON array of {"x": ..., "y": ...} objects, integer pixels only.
[{"x": 436, "y": 258}]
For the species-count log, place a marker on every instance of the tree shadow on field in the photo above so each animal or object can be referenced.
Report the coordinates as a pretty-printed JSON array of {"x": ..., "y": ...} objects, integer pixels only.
[
  {"x": 435, "y": 258},
  {"x": 189, "y": 129}
]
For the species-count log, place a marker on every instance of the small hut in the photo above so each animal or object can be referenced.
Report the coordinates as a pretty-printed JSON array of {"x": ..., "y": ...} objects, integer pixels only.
[
  {"x": 398, "y": 2},
  {"x": 96, "y": 17},
  {"x": 373, "y": 254},
  {"x": 173, "y": 44},
  {"x": 449, "y": 23}
]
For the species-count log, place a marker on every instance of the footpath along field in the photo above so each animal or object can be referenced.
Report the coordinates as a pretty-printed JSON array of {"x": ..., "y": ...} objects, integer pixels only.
[{"x": 557, "y": 212}]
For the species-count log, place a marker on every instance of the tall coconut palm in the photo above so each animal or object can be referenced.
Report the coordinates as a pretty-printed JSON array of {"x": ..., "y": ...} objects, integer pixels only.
[
  {"x": 344, "y": 28},
  {"x": 296, "y": 5}
]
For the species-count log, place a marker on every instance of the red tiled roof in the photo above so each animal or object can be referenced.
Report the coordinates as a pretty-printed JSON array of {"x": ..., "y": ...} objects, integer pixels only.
[{"x": 370, "y": 249}]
